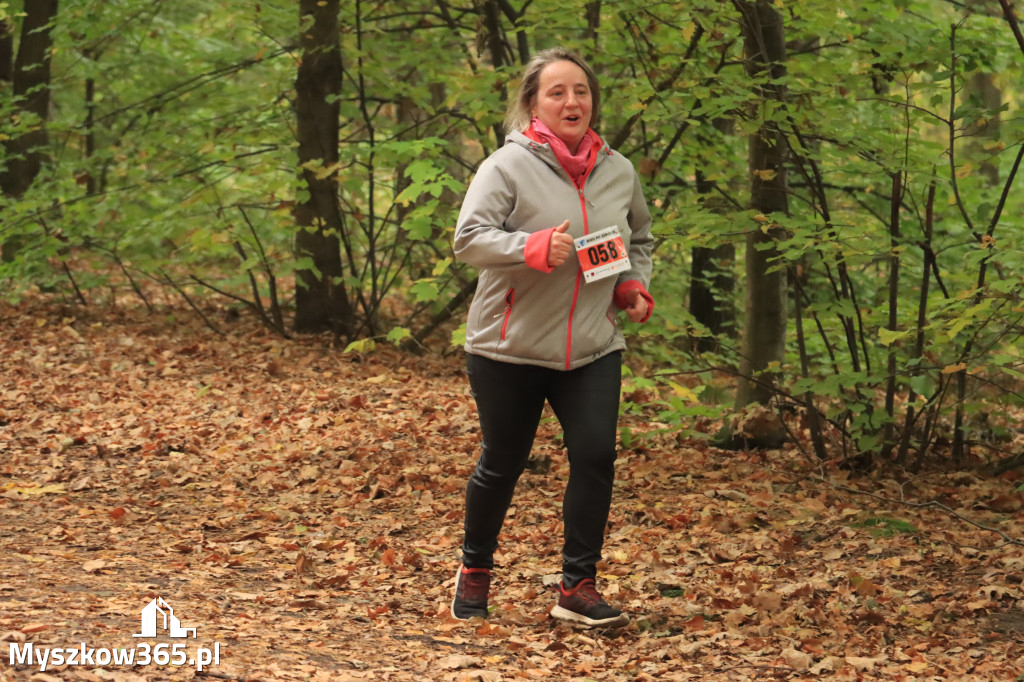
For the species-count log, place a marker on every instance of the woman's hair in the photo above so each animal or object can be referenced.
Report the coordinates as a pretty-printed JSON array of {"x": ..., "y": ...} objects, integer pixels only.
[{"x": 517, "y": 118}]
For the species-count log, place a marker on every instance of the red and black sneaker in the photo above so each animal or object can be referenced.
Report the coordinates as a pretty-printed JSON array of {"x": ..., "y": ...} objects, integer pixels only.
[
  {"x": 583, "y": 605},
  {"x": 471, "y": 586}
]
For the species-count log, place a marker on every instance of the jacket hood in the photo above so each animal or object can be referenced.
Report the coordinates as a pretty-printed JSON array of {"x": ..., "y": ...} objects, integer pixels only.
[{"x": 544, "y": 151}]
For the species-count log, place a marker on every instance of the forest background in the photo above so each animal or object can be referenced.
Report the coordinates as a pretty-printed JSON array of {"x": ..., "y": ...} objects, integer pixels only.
[
  {"x": 832, "y": 187},
  {"x": 264, "y": 193}
]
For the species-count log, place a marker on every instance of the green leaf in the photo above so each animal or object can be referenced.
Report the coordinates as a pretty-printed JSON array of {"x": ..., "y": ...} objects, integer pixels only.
[
  {"x": 922, "y": 385},
  {"x": 888, "y": 336},
  {"x": 425, "y": 290},
  {"x": 882, "y": 526},
  {"x": 441, "y": 267},
  {"x": 399, "y": 334},
  {"x": 361, "y": 346},
  {"x": 459, "y": 335}
]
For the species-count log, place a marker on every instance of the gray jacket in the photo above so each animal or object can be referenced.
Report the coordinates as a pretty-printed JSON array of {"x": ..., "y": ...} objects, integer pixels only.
[{"x": 522, "y": 312}]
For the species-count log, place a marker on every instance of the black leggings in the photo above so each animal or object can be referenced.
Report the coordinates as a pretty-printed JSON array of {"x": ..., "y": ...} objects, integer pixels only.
[{"x": 510, "y": 399}]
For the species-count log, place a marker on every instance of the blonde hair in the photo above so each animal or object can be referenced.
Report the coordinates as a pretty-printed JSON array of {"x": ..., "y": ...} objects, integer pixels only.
[{"x": 517, "y": 118}]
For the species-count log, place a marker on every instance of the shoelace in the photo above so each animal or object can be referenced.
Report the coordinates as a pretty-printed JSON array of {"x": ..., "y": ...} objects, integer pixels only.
[
  {"x": 587, "y": 591},
  {"x": 473, "y": 585}
]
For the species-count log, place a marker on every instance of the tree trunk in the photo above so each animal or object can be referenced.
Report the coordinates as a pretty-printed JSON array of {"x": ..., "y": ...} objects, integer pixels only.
[
  {"x": 322, "y": 303},
  {"x": 764, "y": 328},
  {"x": 24, "y": 154},
  {"x": 711, "y": 276},
  {"x": 711, "y": 286},
  {"x": 6, "y": 50},
  {"x": 983, "y": 86},
  {"x": 593, "y": 14},
  {"x": 491, "y": 42}
]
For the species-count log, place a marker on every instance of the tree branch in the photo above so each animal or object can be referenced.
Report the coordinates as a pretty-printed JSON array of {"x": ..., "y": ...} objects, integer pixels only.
[
  {"x": 1011, "y": 19},
  {"x": 661, "y": 87}
]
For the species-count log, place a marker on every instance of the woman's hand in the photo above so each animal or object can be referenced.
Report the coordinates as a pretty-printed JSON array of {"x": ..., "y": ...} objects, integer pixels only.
[
  {"x": 560, "y": 246},
  {"x": 636, "y": 306}
]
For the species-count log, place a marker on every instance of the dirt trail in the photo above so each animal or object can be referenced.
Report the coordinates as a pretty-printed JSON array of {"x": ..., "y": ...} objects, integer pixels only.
[{"x": 301, "y": 509}]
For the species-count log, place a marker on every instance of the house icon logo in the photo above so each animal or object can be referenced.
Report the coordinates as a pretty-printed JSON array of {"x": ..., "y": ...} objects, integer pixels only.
[{"x": 150, "y": 619}]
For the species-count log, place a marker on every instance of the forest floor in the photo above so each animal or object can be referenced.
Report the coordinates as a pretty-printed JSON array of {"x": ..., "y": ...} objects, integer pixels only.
[{"x": 301, "y": 509}]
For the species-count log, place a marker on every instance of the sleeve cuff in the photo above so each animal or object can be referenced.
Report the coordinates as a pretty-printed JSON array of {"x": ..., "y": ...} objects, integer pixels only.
[
  {"x": 536, "y": 252},
  {"x": 633, "y": 285}
]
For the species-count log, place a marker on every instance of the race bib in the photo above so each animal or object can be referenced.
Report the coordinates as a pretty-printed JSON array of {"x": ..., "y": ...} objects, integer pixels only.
[{"x": 602, "y": 254}]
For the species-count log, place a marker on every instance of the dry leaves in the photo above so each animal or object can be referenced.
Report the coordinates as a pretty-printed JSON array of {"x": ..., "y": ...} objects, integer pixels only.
[{"x": 303, "y": 508}]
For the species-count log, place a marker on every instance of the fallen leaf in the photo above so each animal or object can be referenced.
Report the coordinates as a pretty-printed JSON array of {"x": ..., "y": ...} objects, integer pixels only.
[
  {"x": 865, "y": 663},
  {"x": 797, "y": 660},
  {"x": 828, "y": 663},
  {"x": 19, "y": 490},
  {"x": 1005, "y": 504},
  {"x": 480, "y": 676},
  {"x": 302, "y": 564},
  {"x": 688, "y": 648},
  {"x": 43, "y": 677},
  {"x": 459, "y": 661},
  {"x": 767, "y": 601},
  {"x": 866, "y": 588},
  {"x": 695, "y": 624},
  {"x": 917, "y": 666}
]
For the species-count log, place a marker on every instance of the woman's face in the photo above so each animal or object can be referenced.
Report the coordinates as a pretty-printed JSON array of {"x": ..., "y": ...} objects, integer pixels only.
[{"x": 563, "y": 102}]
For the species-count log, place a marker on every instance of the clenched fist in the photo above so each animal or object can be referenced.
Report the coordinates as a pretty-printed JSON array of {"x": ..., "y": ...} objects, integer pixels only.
[{"x": 636, "y": 307}]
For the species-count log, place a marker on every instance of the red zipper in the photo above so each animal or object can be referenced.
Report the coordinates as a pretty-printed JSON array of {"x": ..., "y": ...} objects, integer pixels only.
[
  {"x": 510, "y": 297},
  {"x": 579, "y": 271}
]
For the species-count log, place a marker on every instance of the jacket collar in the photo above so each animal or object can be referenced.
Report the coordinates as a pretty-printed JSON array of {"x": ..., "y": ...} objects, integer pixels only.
[{"x": 544, "y": 152}]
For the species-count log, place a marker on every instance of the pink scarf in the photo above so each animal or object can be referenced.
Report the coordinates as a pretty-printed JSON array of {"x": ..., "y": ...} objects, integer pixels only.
[{"x": 577, "y": 165}]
